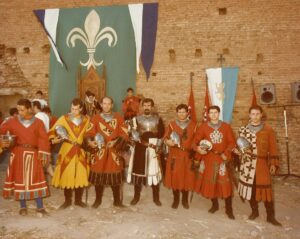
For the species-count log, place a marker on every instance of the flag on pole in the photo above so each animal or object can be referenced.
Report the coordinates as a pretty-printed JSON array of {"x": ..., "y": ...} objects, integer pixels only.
[
  {"x": 191, "y": 105},
  {"x": 222, "y": 83},
  {"x": 206, "y": 104},
  {"x": 254, "y": 101}
]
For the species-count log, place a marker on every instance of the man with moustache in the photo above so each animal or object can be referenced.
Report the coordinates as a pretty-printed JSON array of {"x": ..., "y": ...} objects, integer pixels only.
[{"x": 144, "y": 166}]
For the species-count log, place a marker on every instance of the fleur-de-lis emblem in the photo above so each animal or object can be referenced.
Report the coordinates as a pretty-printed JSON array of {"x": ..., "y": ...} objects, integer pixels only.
[
  {"x": 91, "y": 37},
  {"x": 220, "y": 91}
]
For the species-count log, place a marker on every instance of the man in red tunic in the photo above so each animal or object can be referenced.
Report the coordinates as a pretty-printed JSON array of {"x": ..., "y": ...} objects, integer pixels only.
[
  {"x": 258, "y": 164},
  {"x": 107, "y": 164},
  {"x": 130, "y": 105},
  {"x": 25, "y": 175},
  {"x": 179, "y": 138},
  {"x": 214, "y": 179}
]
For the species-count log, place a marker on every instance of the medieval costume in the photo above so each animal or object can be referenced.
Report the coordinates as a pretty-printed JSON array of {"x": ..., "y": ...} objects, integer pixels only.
[
  {"x": 107, "y": 164},
  {"x": 130, "y": 107},
  {"x": 254, "y": 177},
  {"x": 179, "y": 175},
  {"x": 214, "y": 179},
  {"x": 72, "y": 170},
  {"x": 91, "y": 107},
  {"x": 25, "y": 176},
  {"x": 144, "y": 166}
]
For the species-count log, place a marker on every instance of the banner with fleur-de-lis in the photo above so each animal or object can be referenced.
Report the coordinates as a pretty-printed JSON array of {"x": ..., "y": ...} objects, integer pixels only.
[
  {"x": 115, "y": 36},
  {"x": 222, "y": 84}
]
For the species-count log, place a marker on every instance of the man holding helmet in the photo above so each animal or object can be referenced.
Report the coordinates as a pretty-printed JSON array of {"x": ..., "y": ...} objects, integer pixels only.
[
  {"x": 258, "y": 163},
  {"x": 214, "y": 141}
]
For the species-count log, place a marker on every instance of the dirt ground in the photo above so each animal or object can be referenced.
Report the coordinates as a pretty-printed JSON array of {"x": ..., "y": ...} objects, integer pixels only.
[{"x": 145, "y": 220}]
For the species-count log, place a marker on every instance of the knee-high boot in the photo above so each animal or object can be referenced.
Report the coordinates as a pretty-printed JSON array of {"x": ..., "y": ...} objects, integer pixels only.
[
  {"x": 228, "y": 206},
  {"x": 78, "y": 198},
  {"x": 117, "y": 196},
  {"x": 176, "y": 196},
  {"x": 254, "y": 207},
  {"x": 99, "y": 193},
  {"x": 271, "y": 214},
  {"x": 215, "y": 205},
  {"x": 155, "y": 193},
  {"x": 137, "y": 194},
  {"x": 185, "y": 200},
  {"x": 68, "y": 198}
]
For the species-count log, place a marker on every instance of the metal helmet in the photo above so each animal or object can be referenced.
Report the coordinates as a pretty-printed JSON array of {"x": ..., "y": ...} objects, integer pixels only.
[
  {"x": 99, "y": 140},
  {"x": 175, "y": 137},
  {"x": 10, "y": 138},
  {"x": 205, "y": 144},
  {"x": 243, "y": 144},
  {"x": 135, "y": 135},
  {"x": 61, "y": 132}
]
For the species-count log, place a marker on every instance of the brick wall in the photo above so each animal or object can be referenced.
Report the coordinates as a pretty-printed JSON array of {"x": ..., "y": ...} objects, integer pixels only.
[{"x": 260, "y": 37}]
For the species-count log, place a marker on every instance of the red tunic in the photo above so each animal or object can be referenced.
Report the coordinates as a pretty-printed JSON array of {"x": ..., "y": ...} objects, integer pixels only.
[
  {"x": 25, "y": 175},
  {"x": 213, "y": 179},
  {"x": 130, "y": 106},
  {"x": 267, "y": 154},
  {"x": 107, "y": 166},
  {"x": 179, "y": 175}
]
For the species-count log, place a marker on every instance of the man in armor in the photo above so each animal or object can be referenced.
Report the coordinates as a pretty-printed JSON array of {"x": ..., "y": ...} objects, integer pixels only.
[
  {"x": 214, "y": 179},
  {"x": 71, "y": 171},
  {"x": 108, "y": 136},
  {"x": 25, "y": 176},
  {"x": 179, "y": 138},
  {"x": 258, "y": 163},
  {"x": 144, "y": 166}
]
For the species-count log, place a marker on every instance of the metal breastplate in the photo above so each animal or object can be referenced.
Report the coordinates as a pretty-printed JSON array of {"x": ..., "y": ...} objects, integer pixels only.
[
  {"x": 255, "y": 128},
  {"x": 147, "y": 124},
  {"x": 76, "y": 121},
  {"x": 107, "y": 117},
  {"x": 182, "y": 124},
  {"x": 26, "y": 123}
]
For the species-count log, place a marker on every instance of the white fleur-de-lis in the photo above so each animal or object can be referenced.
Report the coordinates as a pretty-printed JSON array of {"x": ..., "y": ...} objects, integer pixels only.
[{"x": 92, "y": 37}]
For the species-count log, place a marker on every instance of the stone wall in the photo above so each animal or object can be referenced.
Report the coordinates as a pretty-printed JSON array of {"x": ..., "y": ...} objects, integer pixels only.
[{"x": 260, "y": 37}]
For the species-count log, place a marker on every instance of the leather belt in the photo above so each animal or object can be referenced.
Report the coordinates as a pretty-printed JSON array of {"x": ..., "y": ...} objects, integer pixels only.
[{"x": 28, "y": 146}]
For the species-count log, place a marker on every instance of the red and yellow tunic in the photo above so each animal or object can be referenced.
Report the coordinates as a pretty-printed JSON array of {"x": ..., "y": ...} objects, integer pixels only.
[
  {"x": 71, "y": 169},
  {"x": 107, "y": 165},
  {"x": 25, "y": 175},
  {"x": 214, "y": 180},
  {"x": 179, "y": 175}
]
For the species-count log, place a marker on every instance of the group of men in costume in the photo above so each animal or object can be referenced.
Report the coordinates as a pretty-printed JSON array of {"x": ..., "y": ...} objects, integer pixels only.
[{"x": 198, "y": 158}]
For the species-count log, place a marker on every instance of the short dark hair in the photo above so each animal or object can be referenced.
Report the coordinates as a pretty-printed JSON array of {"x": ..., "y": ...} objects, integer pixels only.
[
  {"x": 148, "y": 100},
  {"x": 39, "y": 92},
  {"x": 107, "y": 97},
  {"x": 77, "y": 101},
  {"x": 89, "y": 93},
  {"x": 130, "y": 89},
  {"x": 37, "y": 104},
  {"x": 214, "y": 107},
  {"x": 256, "y": 107},
  {"x": 24, "y": 102},
  {"x": 47, "y": 109},
  {"x": 182, "y": 106},
  {"x": 13, "y": 111}
]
